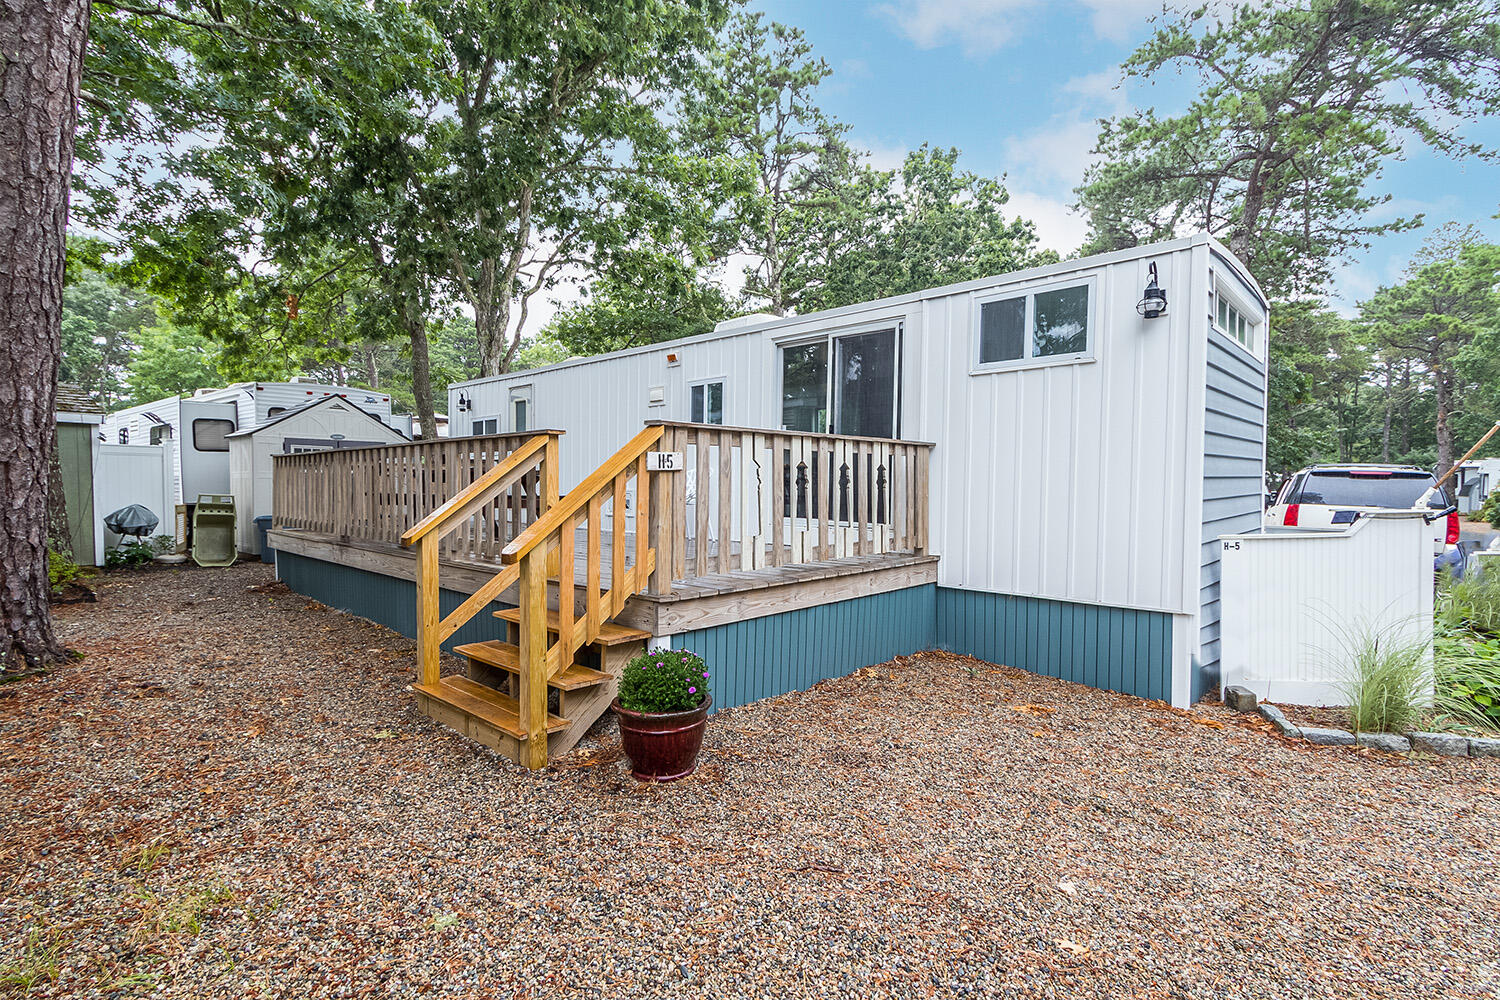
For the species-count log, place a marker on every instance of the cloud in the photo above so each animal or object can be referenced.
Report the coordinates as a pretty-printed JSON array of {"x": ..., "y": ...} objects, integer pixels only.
[
  {"x": 982, "y": 26},
  {"x": 883, "y": 156},
  {"x": 1057, "y": 225},
  {"x": 1053, "y": 156}
]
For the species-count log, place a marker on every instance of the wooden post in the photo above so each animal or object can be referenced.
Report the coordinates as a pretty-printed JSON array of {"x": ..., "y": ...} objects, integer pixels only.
[
  {"x": 550, "y": 493},
  {"x": 1477, "y": 445},
  {"x": 533, "y": 673},
  {"x": 659, "y": 527},
  {"x": 428, "y": 612}
]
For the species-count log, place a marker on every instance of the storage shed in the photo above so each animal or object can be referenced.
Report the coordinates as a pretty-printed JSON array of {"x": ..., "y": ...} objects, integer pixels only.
[
  {"x": 1089, "y": 447},
  {"x": 77, "y": 456},
  {"x": 327, "y": 423}
]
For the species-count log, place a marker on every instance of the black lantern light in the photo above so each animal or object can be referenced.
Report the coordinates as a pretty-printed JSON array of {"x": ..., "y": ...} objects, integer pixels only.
[
  {"x": 463, "y": 403},
  {"x": 1154, "y": 301}
]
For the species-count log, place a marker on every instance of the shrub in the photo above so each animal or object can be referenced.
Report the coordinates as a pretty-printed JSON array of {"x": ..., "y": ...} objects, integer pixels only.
[
  {"x": 1490, "y": 511},
  {"x": 63, "y": 569},
  {"x": 1471, "y": 604},
  {"x": 163, "y": 544},
  {"x": 669, "y": 680},
  {"x": 1467, "y": 671},
  {"x": 1389, "y": 682},
  {"x": 128, "y": 554}
]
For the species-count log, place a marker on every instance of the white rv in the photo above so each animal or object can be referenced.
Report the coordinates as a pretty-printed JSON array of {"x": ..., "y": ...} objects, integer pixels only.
[{"x": 200, "y": 425}]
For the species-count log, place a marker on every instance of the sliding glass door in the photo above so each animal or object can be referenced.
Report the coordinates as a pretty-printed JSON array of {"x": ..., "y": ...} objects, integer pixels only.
[{"x": 858, "y": 390}]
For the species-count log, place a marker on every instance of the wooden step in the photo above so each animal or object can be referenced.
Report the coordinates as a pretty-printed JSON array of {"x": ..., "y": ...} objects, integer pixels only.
[
  {"x": 505, "y": 656},
  {"x": 610, "y": 634},
  {"x": 484, "y": 703}
]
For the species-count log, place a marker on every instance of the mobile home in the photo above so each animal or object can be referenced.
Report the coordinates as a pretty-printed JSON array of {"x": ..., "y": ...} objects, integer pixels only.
[
  {"x": 1095, "y": 425},
  {"x": 200, "y": 425}
]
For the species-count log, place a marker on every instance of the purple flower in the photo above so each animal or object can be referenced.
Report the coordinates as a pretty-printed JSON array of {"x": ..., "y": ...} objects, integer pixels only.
[
  {"x": 692, "y": 690},
  {"x": 658, "y": 663},
  {"x": 705, "y": 673}
]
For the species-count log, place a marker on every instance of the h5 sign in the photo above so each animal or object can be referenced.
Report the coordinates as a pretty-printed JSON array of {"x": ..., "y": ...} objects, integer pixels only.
[{"x": 664, "y": 461}]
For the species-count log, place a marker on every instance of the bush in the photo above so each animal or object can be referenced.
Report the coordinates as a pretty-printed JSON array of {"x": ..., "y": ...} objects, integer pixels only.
[
  {"x": 63, "y": 569},
  {"x": 1471, "y": 604},
  {"x": 1490, "y": 511},
  {"x": 1467, "y": 669},
  {"x": 128, "y": 554},
  {"x": 1389, "y": 681},
  {"x": 669, "y": 680},
  {"x": 163, "y": 544}
]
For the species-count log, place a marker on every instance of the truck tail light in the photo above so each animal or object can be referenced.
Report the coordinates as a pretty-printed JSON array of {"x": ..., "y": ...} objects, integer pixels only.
[
  {"x": 1453, "y": 532},
  {"x": 1290, "y": 520}
]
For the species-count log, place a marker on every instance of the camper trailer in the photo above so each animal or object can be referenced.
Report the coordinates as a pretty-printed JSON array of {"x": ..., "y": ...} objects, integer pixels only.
[
  {"x": 200, "y": 425},
  {"x": 1096, "y": 425}
]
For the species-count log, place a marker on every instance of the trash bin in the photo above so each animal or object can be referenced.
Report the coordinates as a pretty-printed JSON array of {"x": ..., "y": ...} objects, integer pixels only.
[
  {"x": 213, "y": 530},
  {"x": 263, "y": 525}
]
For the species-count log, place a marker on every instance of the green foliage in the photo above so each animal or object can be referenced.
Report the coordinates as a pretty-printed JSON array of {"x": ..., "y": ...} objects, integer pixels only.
[
  {"x": 128, "y": 554},
  {"x": 1468, "y": 679},
  {"x": 1300, "y": 107},
  {"x": 662, "y": 299},
  {"x": 1490, "y": 509},
  {"x": 1389, "y": 680},
  {"x": 102, "y": 322},
  {"x": 1471, "y": 604},
  {"x": 39, "y": 961},
  {"x": 62, "y": 570},
  {"x": 669, "y": 680}
]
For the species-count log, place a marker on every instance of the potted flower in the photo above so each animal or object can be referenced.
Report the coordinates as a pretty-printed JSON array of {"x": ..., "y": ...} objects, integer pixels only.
[{"x": 663, "y": 707}]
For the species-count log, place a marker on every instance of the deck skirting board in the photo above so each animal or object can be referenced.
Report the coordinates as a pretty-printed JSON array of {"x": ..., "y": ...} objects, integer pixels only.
[{"x": 1118, "y": 649}]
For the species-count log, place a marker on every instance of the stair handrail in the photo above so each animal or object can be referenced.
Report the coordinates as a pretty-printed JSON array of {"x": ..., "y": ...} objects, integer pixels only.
[
  {"x": 578, "y": 497},
  {"x": 427, "y": 535},
  {"x": 547, "y": 543}
]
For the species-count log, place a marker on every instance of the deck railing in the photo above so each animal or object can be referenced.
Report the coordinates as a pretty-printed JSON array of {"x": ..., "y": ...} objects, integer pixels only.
[
  {"x": 753, "y": 498},
  {"x": 378, "y": 493}
]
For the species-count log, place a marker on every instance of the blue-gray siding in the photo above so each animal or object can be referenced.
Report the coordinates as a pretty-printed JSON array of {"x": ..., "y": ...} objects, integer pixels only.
[
  {"x": 1233, "y": 475},
  {"x": 760, "y": 657},
  {"x": 385, "y": 599},
  {"x": 1114, "y": 648}
]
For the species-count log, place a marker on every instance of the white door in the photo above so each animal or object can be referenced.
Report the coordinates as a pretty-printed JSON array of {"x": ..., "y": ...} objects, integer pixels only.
[{"x": 205, "y": 447}]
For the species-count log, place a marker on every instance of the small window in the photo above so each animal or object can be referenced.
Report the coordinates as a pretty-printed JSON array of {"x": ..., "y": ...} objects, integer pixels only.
[
  {"x": 1232, "y": 323},
  {"x": 707, "y": 403},
  {"x": 212, "y": 434},
  {"x": 275, "y": 412},
  {"x": 487, "y": 426},
  {"x": 160, "y": 433},
  {"x": 1045, "y": 325},
  {"x": 124, "y": 435},
  {"x": 522, "y": 423}
]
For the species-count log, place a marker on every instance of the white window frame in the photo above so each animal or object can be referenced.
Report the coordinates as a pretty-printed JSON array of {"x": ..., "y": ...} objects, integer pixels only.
[
  {"x": 521, "y": 393},
  {"x": 476, "y": 420},
  {"x": 723, "y": 381},
  {"x": 1089, "y": 354},
  {"x": 1222, "y": 289},
  {"x": 827, "y": 338}
]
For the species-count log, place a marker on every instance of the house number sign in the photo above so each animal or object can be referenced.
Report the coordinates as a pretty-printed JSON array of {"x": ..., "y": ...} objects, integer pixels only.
[{"x": 664, "y": 461}]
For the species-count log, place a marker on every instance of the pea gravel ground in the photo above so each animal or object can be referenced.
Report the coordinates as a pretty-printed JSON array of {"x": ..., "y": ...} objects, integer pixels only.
[{"x": 232, "y": 796}]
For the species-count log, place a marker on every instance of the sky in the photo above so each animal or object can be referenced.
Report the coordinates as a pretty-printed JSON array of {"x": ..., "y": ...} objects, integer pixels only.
[{"x": 1018, "y": 85}]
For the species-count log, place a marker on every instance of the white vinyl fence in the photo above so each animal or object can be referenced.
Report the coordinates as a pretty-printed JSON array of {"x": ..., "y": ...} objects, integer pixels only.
[
  {"x": 134, "y": 473},
  {"x": 1294, "y": 600}
]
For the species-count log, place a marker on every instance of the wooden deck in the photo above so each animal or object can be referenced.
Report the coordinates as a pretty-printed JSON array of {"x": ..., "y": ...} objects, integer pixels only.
[{"x": 698, "y": 602}]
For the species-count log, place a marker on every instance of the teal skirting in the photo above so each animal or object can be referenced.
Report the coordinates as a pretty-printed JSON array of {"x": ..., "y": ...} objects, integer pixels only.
[
  {"x": 760, "y": 657},
  {"x": 1114, "y": 648},
  {"x": 1118, "y": 649},
  {"x": 385, "y": 599}
]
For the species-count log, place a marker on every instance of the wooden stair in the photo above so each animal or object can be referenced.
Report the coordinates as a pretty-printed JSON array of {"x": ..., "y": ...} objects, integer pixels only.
[
  {"x": 506, "y": 657},
  {"x": 479, "y": 712},
  {"x": 610, "y": 634}
]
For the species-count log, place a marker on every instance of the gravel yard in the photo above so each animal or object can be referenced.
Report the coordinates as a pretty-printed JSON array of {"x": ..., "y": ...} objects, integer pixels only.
[{"x": 233, "y": 796}]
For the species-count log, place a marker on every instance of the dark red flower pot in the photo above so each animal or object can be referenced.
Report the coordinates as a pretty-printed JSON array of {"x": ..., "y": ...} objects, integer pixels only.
[{"x": 662, "y": 746}]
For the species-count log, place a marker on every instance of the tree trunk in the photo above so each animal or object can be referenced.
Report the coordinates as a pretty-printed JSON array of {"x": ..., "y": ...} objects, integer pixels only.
[
  {"x": 372, "y": 371},
  {"x": 1385, "y": 429},
  {"x": 43, "y": 59},
  {"x": 492, "y": 326},
  {"x": 414, "y": 319},
  {"x": 1444, "y": 411}
]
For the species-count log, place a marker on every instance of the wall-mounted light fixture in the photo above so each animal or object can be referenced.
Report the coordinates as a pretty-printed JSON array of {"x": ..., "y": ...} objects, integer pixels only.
[
  {"x": 463, "y": 403},
  {"x": 1154, "y": 302}
]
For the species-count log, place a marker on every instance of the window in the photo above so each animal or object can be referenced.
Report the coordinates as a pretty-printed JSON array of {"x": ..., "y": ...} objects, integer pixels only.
[
  {"x": 707, "y": 403},
  {"x": 490, "y": 425},
  {"x": 124, "y": 435},
  {"x": 1228, "y": 320},
  {"x": 211, "y": 434},
  {"x": 275, "y": 412},
  {"x": 519, "y": 406},
  {"x": 160, "y": 433},
  {"x": 855, "y": 394},
  {"x": 1054, "y": 323}
]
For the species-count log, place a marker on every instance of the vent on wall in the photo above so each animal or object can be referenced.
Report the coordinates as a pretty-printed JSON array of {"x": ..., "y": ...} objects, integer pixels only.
[{"x": 656, "y": 395}]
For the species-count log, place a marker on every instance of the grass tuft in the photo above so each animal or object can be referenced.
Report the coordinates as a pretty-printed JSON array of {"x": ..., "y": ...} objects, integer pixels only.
[
  {"x": 1389, "y": 681},
  {"x": 37, "y": 963}
]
